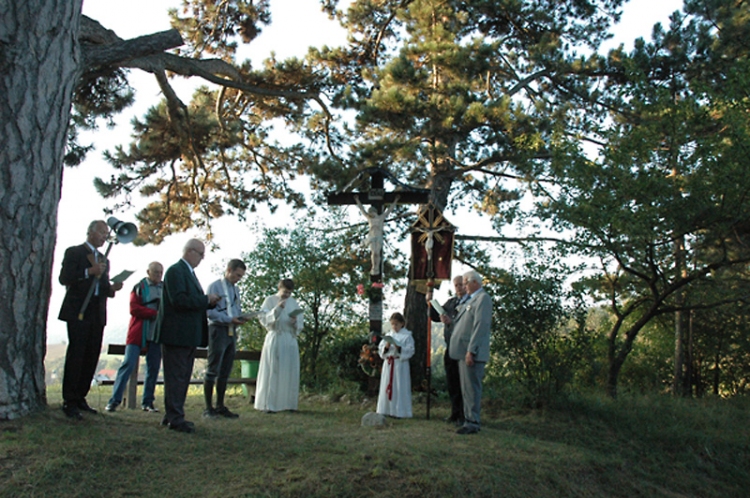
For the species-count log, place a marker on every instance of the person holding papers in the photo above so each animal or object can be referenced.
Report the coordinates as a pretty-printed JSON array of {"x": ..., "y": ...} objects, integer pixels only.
[
  {"x": 396, "y": 348},
  {"x": 278, "y": 374},
  {"x": 223, "y": 321},
  {"x": 144, "y": 306},
  {"x": 447, "y": 314},
  {"x": 85, "y": 271}
]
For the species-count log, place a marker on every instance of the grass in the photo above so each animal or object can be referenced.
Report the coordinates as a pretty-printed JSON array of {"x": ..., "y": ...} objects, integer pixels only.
[{"x": 592, "y": 447}]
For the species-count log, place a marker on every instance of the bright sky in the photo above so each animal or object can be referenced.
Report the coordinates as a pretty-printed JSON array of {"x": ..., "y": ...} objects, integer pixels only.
[{"x": 296, "y": 25}]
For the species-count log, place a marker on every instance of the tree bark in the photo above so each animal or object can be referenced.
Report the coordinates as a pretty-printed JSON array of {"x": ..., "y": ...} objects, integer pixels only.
[
  {"x": 679, "y": 381},
  {"x": 39, "y": 67},
  {"x": 415, "y": 312}
]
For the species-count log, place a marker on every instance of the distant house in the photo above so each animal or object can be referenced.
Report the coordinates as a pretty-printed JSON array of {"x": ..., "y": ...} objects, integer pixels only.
[{"x": 105, "y": 374}]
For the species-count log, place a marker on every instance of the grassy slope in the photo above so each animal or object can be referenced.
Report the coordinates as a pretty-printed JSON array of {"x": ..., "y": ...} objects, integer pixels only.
[{"x": 634, "y": 447}]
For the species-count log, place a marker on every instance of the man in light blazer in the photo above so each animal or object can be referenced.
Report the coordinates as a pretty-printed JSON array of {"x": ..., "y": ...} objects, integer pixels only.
[
  {"x": 470, "y": 346},
  {"x": 181, "y": 326}
]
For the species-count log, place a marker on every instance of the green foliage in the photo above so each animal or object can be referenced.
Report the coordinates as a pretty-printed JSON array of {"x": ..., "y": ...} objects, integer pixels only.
[
  {"x": 99, "y": 95},
  {"x": 537, "y": 341},
  {"x": 662, "y": 189},
  {"x": 340, "y": 360},
  {"x": 324, "y": 263},
  {"x": 490, "y": 103}
]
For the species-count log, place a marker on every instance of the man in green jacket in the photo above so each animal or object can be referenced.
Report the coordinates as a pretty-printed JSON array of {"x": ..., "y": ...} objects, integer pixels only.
[{"x": 181, "y": 326}]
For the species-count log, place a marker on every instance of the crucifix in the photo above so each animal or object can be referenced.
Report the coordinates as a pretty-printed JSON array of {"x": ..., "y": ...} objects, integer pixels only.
[{"x": 381, "y": 205}]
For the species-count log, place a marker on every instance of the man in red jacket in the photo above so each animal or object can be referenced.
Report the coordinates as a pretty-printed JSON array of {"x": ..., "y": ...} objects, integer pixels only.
[{"x": 144, "y": 306}]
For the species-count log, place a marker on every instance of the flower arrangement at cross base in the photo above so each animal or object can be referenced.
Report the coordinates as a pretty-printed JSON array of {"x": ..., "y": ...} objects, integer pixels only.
[{"x": 369, "y": 360}]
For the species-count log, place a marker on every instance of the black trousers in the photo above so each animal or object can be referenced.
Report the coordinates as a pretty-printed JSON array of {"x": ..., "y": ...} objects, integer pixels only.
[
  {"x": 178, "y": 368},
  {"x": 81, "y": 357},
  {"x": 454, "y": 386}
]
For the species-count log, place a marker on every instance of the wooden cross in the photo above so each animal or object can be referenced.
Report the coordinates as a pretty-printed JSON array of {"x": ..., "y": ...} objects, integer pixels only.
[{"x": 377, "y": 197}]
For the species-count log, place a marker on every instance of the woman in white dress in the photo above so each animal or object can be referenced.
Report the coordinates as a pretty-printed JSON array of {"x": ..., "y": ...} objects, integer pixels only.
[
  {"x": 278, "y": 374},
  {"x": 394, "y": 398}
]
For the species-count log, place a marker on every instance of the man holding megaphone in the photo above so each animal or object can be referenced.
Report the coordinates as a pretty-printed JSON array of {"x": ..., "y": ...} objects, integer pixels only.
[{"x": 85, "y": 274}]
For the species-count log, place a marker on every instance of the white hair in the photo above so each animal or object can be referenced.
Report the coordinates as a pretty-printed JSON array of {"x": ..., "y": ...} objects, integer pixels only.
[{"x": 473, "y": 276}]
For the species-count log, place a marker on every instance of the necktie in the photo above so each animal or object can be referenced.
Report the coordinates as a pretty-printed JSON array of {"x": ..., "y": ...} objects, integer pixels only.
[
  {"x": 230, "y": 297},
  {"x": 96, "y": 261}
]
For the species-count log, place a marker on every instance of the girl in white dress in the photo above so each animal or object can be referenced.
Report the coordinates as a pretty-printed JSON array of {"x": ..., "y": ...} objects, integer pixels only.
[
  {"x": 396, "y": 348},
  {"x": 278, "y": 374}
]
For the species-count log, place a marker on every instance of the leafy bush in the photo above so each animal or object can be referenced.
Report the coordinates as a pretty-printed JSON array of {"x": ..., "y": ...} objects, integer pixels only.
[{"x": 537, "y": 341}]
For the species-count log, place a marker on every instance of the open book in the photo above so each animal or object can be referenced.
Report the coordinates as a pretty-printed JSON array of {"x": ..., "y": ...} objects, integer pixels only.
[
  {"x": 435, "y": 304},
  {"x": 295, "y": 312},
  {"x": 391, "y": 340}
]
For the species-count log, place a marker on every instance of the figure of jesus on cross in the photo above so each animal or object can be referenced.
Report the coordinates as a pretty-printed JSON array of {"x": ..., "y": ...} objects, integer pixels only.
[
  {"x": 377, "y": 198},
  {"x": 376, "y": 221}
]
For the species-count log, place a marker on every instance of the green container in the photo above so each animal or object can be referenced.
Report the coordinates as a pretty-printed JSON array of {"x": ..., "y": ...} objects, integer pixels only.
[{"x": 249, "y": 370}]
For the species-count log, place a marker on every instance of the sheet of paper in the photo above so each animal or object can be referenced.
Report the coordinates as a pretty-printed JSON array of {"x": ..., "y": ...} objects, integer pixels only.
[
  {"x": 391, "y": 340},
  {"x": 121, "y": 277},
  {"x": 249, "y": 315},
  {"x": 435, "y": 304}
]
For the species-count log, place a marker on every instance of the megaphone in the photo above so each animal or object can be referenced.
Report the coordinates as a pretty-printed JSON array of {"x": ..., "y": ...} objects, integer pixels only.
[{"x": 124, "y": 232}]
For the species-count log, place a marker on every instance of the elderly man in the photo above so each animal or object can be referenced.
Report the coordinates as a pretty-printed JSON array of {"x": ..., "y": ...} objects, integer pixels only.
[
  {"x": 452, "y": 376},
  {"x": 181, "y": 326},
  {"x": 470, "y": 346},
  {"x": 84, "y": 268},
  {"x": 144, "y": 304}
]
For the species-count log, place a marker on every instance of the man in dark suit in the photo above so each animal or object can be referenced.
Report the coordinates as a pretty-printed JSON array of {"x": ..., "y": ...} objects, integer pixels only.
[
  {"x": 470, "y": 345},
  {"x": 451, "y": 366},
  {"x": 82, "y": 267},
  {"x": 181, "y": 326}
]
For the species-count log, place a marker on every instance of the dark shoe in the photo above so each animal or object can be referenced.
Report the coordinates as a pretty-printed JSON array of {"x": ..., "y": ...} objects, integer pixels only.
[
  {"x": 72, "y": 411},
  {"x": 468, "y": 429},
  {"x": 224, "y": 412},
  {"x": 164, "y": 421},
  {"x": 84, "y": 407},
  {"x": 150, "y": 408},
  {"x": 185, "y": 427},
  {"x": 210, "y": 413},
  {"x": 111, "y": 407}
]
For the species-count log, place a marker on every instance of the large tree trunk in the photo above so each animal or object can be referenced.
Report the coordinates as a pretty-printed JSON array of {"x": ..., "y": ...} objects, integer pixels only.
[
  {"x": 415, "y": 312},
  {"x": 681, "y": 381},
  {"x": 39, "y": 66}
]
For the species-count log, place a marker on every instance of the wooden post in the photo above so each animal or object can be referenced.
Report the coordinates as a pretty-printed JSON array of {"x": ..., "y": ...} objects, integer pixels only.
[{"x": 432, "y": 253}]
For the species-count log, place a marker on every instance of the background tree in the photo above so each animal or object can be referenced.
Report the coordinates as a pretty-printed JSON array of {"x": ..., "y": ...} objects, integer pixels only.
[
  {"x": 461, "y": 97},
  {"x": 666, "y": 173},
  {"x": 49, "y": 52},
  {"x": 538, "y": 341},
  {"x": 325, "y": 263}
]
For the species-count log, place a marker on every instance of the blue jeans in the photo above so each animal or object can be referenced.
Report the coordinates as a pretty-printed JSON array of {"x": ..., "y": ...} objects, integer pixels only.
[{"x": 153, "y": 363}]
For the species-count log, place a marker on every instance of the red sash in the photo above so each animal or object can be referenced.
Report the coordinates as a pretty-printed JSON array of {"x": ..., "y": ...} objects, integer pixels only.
[{"x": 389, "y": 389}]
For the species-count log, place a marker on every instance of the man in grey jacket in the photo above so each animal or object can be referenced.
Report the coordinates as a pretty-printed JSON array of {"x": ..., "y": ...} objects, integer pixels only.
[{"x": 470, "y": 346}]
